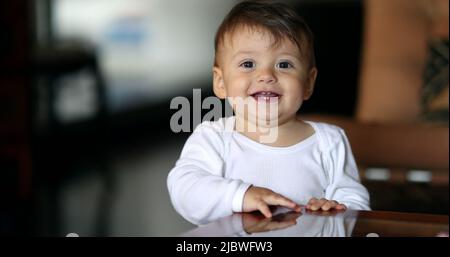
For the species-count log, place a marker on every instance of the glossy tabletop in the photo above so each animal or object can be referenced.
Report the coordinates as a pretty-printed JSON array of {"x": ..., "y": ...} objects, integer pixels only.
[{"x": 285, "y": 223}]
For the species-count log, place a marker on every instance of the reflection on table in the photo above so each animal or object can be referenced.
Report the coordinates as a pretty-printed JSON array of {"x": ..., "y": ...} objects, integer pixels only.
[{"x": 285, "y": 223}]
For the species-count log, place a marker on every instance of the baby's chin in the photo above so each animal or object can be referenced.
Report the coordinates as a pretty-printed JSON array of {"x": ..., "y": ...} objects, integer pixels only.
[{"x": 260, "y": 121}]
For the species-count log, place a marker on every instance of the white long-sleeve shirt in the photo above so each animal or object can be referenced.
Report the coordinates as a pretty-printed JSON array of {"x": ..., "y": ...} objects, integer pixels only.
[{"x": 217, "y": 165}]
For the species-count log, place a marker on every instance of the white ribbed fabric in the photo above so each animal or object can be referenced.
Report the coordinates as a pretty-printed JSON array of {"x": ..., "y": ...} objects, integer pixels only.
[{"x": 217, "y": 165}]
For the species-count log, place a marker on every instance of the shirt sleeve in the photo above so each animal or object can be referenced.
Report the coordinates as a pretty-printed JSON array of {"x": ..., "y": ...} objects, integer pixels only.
[
  {"x": 198, "y": 189},
  {"x": 345, "y": 186}
]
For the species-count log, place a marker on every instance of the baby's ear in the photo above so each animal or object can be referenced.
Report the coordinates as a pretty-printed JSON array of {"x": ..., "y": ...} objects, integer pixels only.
[
  {"x": 310, "y": 82},
  {"x": 218, "y": 83}
]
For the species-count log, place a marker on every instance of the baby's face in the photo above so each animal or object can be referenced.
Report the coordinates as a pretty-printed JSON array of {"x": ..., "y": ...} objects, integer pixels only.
[{"x": 251, "y": 67}]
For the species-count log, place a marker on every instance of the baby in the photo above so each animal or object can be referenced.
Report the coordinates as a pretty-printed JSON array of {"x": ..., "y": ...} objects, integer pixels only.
[{"x": 264, "y": 155}]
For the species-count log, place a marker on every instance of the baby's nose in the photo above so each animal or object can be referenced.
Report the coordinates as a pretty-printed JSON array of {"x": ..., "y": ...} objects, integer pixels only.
[{"x": 266, "y": 76}]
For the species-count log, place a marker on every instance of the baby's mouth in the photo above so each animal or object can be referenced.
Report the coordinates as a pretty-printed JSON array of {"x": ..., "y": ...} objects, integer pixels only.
[{"x": 266, "y": 96}]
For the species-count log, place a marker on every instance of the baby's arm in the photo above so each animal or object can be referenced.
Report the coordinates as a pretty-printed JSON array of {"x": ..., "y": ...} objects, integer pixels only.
[
  {"x": 345, "y": 187},
  {"x": 197, "y": 188}
]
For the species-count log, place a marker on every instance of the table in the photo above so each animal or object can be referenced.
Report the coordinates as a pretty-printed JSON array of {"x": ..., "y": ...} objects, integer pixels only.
[{"x": 349, "y": 223}]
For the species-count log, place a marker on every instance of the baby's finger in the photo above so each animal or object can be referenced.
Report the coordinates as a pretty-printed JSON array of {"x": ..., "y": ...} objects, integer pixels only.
[
  {"x": 312, "y": 201},
  {"x": 341, "y": 207},
  {"x": 329, "y": 205},
  {"x": 264, "y": 209},
  {"x": 318, "y": 204},
  {"x": 277, "y": 199}
]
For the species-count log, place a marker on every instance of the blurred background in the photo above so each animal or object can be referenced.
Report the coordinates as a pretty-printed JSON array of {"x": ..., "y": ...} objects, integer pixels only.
[{"x": 85, "y": 91}]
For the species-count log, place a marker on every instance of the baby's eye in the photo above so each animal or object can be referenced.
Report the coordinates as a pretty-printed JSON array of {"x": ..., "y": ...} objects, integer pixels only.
[
  {"x": 248, "y": 64},
  {"x": 284, "y": 65}
]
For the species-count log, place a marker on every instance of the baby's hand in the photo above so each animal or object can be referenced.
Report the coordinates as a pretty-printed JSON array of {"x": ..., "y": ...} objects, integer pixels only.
[
  {"x": 258, "y": 198},
  {"x": 323, "y": 204}
]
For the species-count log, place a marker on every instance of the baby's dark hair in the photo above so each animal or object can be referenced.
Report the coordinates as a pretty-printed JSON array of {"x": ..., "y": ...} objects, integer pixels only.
[{"x": 278, "y": 19}]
